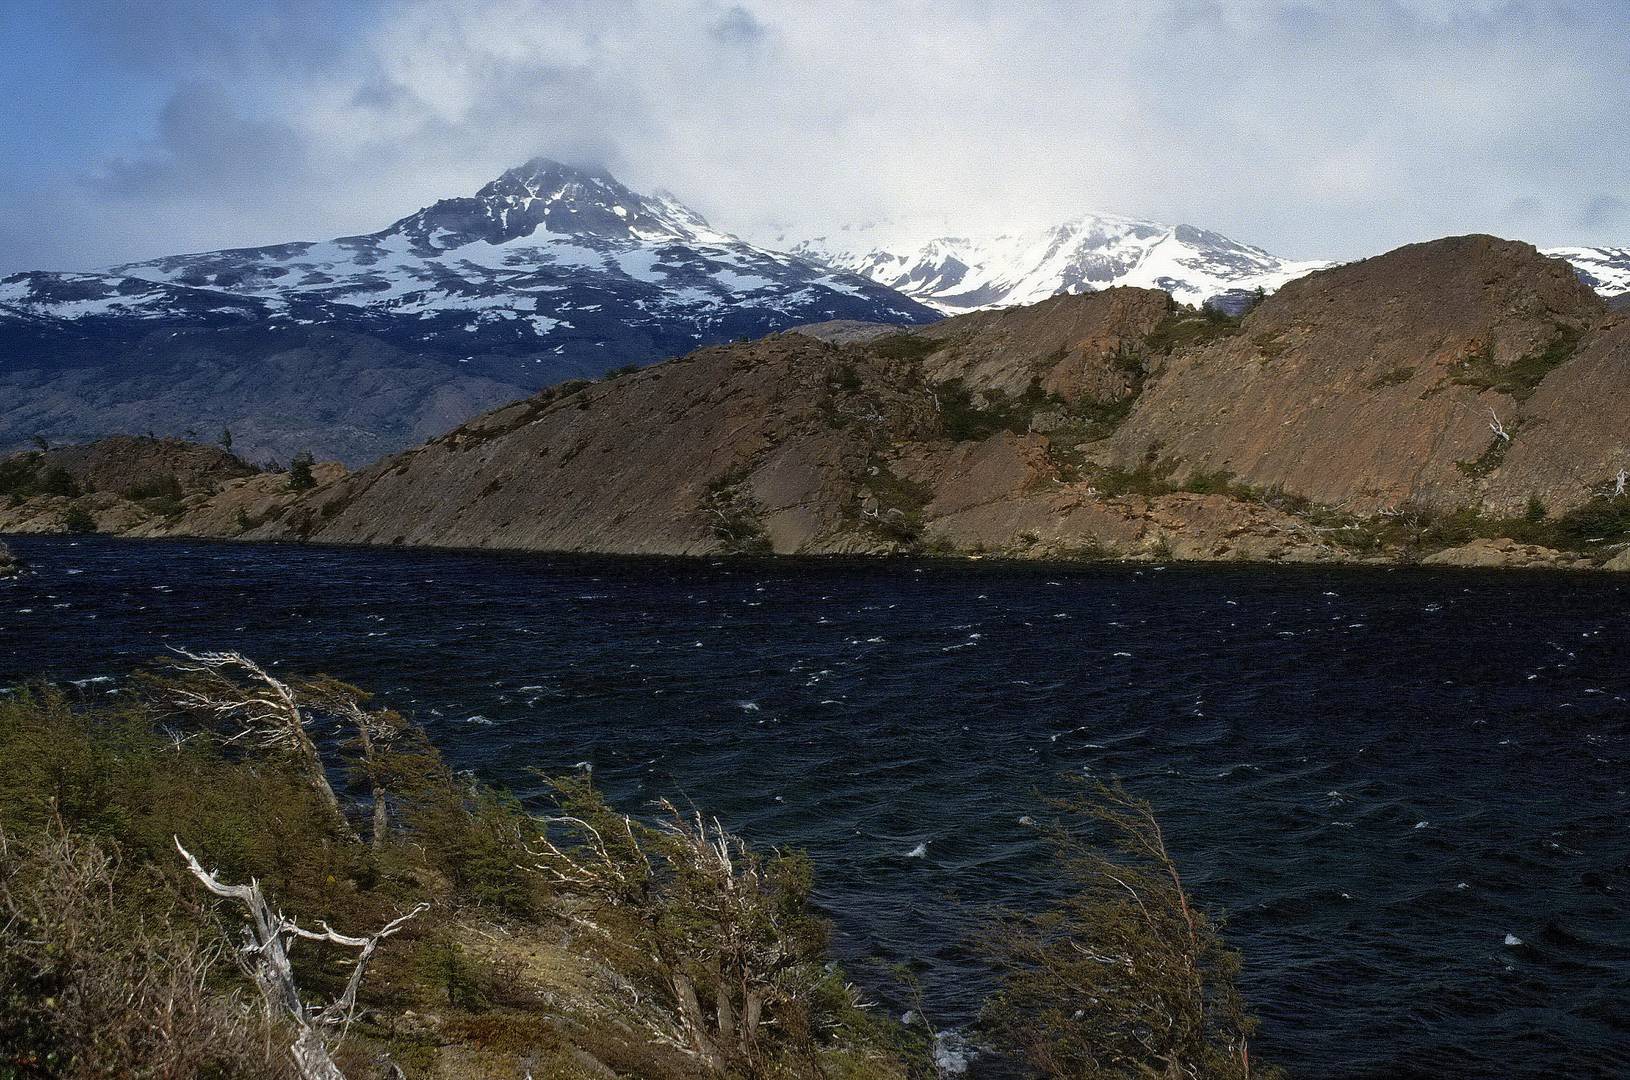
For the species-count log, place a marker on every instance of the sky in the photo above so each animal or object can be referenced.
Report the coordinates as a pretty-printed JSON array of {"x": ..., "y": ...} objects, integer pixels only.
[{"x": 1315, "y": 129}]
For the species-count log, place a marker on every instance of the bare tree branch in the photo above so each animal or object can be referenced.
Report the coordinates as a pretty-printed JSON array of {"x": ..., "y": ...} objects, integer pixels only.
[{"x": 265, "y": 955}]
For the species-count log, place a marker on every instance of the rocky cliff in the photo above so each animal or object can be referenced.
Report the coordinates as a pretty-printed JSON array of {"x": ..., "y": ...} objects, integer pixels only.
[{"x": 1467, "y": 399}]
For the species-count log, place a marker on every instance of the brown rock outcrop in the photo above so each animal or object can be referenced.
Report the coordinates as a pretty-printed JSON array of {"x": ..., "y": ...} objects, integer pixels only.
[
  {"x": 1505, "y": 553},
  {"x": 1374, "y": 384}
]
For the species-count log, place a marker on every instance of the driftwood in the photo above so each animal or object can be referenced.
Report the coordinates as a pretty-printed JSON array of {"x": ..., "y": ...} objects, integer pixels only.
[{"x": 268, "y": 939}]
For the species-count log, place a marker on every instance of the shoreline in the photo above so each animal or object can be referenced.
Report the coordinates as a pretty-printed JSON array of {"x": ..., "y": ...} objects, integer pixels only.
[{"x": 881, "y": 561}]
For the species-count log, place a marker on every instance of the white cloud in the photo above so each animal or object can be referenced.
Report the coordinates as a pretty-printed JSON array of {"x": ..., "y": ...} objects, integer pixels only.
[{"x": 1312, "y": 128}]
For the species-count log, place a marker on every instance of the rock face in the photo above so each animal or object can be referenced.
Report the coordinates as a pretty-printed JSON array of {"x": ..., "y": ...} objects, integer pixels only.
[
  {"x": 362, "y": 345},
  {"x": 1352, "y": 416},
  {"x": 8, "y": 562},
  {"x": 1375, "y": 384},
  {"x": 1507, "y": 553}
]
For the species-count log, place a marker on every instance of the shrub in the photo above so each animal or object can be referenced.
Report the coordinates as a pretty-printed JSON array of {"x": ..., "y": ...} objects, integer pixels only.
[
  {"x": 58, "y": 481},
  {"x": 1522, "y": 376},
  {"x": 1125, "y": 977},
  {"x": 733, "y": 516},
  {"x": 78, "y": 520},
  {"x": 97, "y": 983},
  {"x": 967, "y": 416},
  {"x": 300, "y": 477}
]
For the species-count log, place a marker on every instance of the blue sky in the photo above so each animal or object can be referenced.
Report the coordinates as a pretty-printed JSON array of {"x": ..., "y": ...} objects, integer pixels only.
[{"x": 1316, "y": 129}]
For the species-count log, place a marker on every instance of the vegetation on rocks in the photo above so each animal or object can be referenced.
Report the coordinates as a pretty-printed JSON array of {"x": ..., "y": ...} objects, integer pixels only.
[
  {"x": 733, "y": 517},
  {"x": 1186, "y": 327},
  {"x": 1522, "y": 376}
]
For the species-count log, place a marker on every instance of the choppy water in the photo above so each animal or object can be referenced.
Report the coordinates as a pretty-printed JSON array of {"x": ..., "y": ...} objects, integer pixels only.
[{"x": 1383, "y": 776}]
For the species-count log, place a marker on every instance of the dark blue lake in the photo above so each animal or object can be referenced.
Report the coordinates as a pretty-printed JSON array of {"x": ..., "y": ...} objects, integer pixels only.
[{"x": 1407, "y": 789}]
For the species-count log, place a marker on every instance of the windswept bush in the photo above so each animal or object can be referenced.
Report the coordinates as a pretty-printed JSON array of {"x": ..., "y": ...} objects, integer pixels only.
[{"x": 1125, "y": 977}]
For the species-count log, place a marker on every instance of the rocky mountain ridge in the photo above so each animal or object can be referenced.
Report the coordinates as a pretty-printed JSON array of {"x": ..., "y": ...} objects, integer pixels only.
[{"x": 1466, "y": 396}]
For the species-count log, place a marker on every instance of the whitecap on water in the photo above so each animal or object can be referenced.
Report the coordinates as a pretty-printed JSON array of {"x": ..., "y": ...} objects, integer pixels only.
[
  {"x": 952, "y": 1054},
  {"x": 918, "y": 852},
  {"x": 1512, "y": 941}
]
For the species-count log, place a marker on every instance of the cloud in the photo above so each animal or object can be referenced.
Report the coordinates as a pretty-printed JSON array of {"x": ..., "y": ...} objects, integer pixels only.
[
  {"x": 205, "y": 148},
  {"x": 1311, "y": 127},
  {"x": 1605, "y": 212},
  {"x": 737, "y": 25}
]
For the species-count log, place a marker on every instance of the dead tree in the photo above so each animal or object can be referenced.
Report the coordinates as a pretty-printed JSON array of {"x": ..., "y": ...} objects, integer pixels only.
[
  {"x": 268, "y": 939},
  {"x": 1498, "y": 428},
  {"x": 1619, "y": 482},
  {"x": 229, "y": 685},
  {"x": 375, "y": 731}
]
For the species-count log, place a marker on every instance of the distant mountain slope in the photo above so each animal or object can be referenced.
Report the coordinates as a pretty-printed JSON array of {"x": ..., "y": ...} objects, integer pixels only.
[
  {"x": 546, "y": 273},
  {"x": 1098, "y": 251},
  {"x": 1084, "y": 254}
]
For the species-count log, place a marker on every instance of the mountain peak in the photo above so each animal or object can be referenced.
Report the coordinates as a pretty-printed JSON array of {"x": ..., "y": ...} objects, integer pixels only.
[{"x": 545, "y": 198}]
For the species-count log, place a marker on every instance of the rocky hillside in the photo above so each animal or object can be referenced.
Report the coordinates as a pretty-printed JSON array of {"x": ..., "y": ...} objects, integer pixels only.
[
  {"x": 359, "y": 346},
  {"x": 1464, "y": 400},
  {"x": 1387, "y": 382}
]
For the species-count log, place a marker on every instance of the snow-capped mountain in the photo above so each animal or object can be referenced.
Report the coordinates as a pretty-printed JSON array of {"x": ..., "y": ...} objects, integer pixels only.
[
  {"x": 954, "y": 273},
  {"x": 548, "y": 272},
  {"x": 1605, "y": 269},
  {"x": 1086, "y": 253},
  {"x": 564, "y": 267}
]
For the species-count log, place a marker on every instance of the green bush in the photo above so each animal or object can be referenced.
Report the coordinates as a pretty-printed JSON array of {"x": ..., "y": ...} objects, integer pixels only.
[
  {"x": 58, "y": 481},
  {"x": 78, "y": 520},
  {"x": 300, "y": 476},
  {"x": 1522, "y": 376},
  {"x": 1126, "y": 976}
]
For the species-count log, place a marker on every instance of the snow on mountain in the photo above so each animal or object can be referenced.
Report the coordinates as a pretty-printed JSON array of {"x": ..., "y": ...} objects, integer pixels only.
[
  {"x": 1605, "y": 269},
  {"x": 954, "y": 273},
  {"x": 547, "y": 261},
  {"x": 1084, "y": 254}
]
